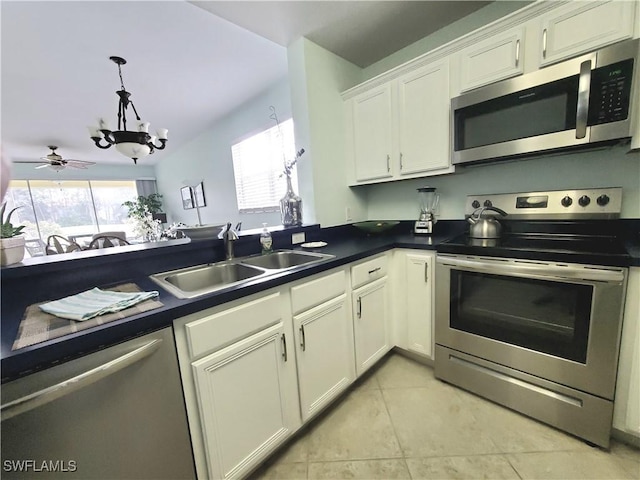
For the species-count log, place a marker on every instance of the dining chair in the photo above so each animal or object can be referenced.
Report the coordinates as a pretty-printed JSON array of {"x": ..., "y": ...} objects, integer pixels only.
[
  {"x": 106, "y": 241},
  {"x": 59, "y": 244},
  {"x": 35, "y": 247},
  {"x": 121, "y": 235}
]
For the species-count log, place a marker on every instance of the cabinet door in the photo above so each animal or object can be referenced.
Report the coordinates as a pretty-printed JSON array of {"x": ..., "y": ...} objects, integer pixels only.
[
  {"x": 324, "y": 354},
  {"x": 245, "y": 401},
  {"x": 580, "y": 27},
  {"x": 423, "y": 114},
  {"x": 496, "y": 58},
  {"x": 419, "y": 303},
  {"x": 372, "y": 133},
  {"x": 370, "y": 319}
]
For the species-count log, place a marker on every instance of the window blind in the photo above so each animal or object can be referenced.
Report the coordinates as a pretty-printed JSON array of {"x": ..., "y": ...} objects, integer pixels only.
[{"x": 258, "y": 165}]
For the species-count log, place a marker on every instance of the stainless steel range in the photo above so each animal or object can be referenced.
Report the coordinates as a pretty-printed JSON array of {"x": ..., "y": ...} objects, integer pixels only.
[{"x": 532, "y": 320}]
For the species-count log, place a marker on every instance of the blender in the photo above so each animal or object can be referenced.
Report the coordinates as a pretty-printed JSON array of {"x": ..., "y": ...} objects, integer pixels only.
[{"x": 428, "y": 204}]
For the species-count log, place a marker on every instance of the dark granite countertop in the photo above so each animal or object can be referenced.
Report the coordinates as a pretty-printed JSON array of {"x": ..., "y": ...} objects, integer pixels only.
[{"x": 39, "y": 280}]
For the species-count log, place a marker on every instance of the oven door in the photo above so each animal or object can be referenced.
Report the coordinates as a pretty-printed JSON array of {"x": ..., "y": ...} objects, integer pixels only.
[{"x": 560, "y": 322}]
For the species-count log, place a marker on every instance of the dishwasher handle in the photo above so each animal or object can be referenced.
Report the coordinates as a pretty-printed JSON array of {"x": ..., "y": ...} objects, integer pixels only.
[{"x": 48, "y": 394}]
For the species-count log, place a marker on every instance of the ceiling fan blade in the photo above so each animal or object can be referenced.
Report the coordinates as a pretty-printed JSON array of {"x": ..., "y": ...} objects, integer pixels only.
[
  {"x": 74, "y": 165},
  {"x": 45, "y": 165},
  {"x": 79, "y": 162}
]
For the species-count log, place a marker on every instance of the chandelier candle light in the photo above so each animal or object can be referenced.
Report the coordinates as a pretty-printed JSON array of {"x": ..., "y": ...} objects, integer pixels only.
[{"x": 134, "y": 144}]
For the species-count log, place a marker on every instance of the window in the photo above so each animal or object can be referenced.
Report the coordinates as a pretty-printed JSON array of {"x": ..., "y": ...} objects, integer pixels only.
[
  {"x": 71, "y": 208},
  {"x": 258, "y": 165}
]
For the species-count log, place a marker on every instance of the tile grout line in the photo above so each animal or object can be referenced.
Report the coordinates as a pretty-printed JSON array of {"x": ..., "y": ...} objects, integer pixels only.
[{"x": 393, "y": 426}]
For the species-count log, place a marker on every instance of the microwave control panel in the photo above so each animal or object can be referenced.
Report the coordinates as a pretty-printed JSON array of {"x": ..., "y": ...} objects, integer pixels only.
[{"x": 610, "y": 93}]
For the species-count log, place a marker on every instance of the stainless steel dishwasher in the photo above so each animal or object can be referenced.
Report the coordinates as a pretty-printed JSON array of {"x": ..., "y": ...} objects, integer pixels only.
[{"x": 117, "y": 413}]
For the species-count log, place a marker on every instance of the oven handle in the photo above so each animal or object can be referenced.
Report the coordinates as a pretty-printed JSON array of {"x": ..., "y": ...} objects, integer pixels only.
[{"x": 579, "y": 273}]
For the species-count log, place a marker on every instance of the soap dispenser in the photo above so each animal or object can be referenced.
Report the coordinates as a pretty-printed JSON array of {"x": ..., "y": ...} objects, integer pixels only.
[{"x": 265, "y": 240}]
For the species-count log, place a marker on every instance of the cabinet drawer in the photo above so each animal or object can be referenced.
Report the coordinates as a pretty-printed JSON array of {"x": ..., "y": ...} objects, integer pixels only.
[
  {"x": 317, "y": 291},
  {"x": 215, "y": 331},
  {"x": 368, "y": 271}
]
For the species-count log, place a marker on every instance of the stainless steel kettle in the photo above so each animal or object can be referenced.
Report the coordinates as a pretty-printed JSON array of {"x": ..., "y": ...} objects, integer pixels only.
[{"x": 485, "y": 227}]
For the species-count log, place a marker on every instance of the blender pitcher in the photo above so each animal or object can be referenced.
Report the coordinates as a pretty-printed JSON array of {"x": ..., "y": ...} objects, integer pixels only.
[{"x": 429, "y": 200}]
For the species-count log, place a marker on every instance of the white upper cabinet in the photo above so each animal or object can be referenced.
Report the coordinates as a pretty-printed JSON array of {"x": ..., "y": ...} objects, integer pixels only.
[
  {"x": 496, "y": 58},
  {"x": 580, "y": 27},
  {"x": 400, "y": 129},
  {"x": 423, "y": 119},
  {"x": 372, "y": 119}
]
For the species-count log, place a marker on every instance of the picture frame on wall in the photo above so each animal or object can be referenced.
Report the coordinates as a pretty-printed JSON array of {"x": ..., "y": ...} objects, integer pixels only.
[
  {"x": 198, "y": 196},
  {"x": 187, "y": 198}
]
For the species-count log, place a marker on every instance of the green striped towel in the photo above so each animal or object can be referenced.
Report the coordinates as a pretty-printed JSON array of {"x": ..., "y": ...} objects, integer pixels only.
[{"x": 92, "y": 303}]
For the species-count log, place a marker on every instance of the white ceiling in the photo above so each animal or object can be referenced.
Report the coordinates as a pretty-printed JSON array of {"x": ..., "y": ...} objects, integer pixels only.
[{"x": 189, "y": 64}]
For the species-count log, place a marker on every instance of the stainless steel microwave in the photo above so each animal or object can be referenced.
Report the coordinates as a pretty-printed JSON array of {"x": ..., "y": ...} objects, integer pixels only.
[{"x": 576, "y": 103}]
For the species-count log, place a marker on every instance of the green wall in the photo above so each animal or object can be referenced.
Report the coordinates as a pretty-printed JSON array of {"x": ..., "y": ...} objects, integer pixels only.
[
  {"x": 208, "y": 158},
  {"x": 607, "y": 167},
  {"x": 317, "y": 78}
]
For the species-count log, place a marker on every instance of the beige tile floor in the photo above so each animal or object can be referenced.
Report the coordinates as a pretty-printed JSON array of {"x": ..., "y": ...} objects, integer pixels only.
[{"x": 399, "y": 422}]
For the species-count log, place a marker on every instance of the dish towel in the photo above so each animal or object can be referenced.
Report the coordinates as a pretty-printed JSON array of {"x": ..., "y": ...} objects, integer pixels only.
[{"x": 92, "y": 303}]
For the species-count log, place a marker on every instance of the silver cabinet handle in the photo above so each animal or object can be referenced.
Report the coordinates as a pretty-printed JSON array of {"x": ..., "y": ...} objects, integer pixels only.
[
  {"x": 283, "y": 338},
  {"x": 544, "y": 43},
  {"x": 426, "y": 272},
  {"x": 400, "y": 160},
  {"x": 517, "y": 52},
  {"x": 359, "y": 307},
  {"x": 303, "y": 341},
  {"x": 582, "y": 110},
  {"x": 374, "y": 270},
  {"x": 388, "y": 163},
  {"x": 46, "y": 395}
]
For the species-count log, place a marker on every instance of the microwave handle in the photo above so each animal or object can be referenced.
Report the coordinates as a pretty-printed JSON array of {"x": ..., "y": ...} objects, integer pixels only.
[{"x": 582, "y": 112}]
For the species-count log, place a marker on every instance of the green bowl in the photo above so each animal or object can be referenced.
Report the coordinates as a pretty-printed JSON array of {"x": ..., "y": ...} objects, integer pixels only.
[{"x": 375, "y": 226}]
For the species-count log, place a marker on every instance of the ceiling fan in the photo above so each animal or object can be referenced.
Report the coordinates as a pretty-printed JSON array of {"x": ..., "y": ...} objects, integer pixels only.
[{"x": 57, "y": 163}]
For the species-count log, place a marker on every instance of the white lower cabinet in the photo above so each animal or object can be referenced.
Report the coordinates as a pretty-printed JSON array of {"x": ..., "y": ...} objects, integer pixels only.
[
  {"x": 243, "y": 400},
  {"x": 418, "y": 300},
  {"x": 370, "y": 323},
  {"x": 323, "y": 335},
  {"x": 241, "y": 394},
  {"x": 324, "y": 353}
]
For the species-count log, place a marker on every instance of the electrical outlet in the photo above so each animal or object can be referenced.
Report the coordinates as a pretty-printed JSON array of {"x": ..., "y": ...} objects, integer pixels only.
[
  {"x": 347, "y": 214},
  {"x": 297, "y": 238}
]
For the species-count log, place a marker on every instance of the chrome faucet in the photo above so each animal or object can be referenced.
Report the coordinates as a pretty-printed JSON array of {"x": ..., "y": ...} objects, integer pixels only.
[{"x": 229, "y": 236}]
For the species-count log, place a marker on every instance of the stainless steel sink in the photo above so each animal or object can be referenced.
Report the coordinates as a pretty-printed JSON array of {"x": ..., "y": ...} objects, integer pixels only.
[
  {"x": 284, "y": 259},
  {"x": 194, "y": 281},
  {"x": 202, "y": 279}
]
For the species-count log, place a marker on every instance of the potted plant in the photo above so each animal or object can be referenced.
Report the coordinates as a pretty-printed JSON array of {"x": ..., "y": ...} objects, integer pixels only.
[
  {"x": 141, "y": 213},
  {"x": 11, "y": 239},
  {"x": 153, "y": 204}
]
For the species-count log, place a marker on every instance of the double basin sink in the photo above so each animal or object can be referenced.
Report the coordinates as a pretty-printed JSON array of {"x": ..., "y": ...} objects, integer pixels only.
[{"x": 202, "y": 279}]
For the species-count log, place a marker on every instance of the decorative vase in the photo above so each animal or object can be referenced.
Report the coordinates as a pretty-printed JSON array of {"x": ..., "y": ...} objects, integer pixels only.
[
  {"x": 291, "y": 206},
  {"x": 11, "y": 250}
]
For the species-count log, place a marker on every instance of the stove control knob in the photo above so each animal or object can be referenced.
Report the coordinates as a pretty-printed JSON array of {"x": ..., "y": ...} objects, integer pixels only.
[
  {"x": 487, "y": 203},
  {"x": 475, "y": 204},
  {"x": 566, "y": 201},
  {"x": 603, "y": 200},
  {"x": 584, "y": 201}
]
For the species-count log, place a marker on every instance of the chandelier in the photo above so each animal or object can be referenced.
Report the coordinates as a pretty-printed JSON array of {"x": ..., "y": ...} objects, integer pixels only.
[{"x": 134, "y": 144}]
